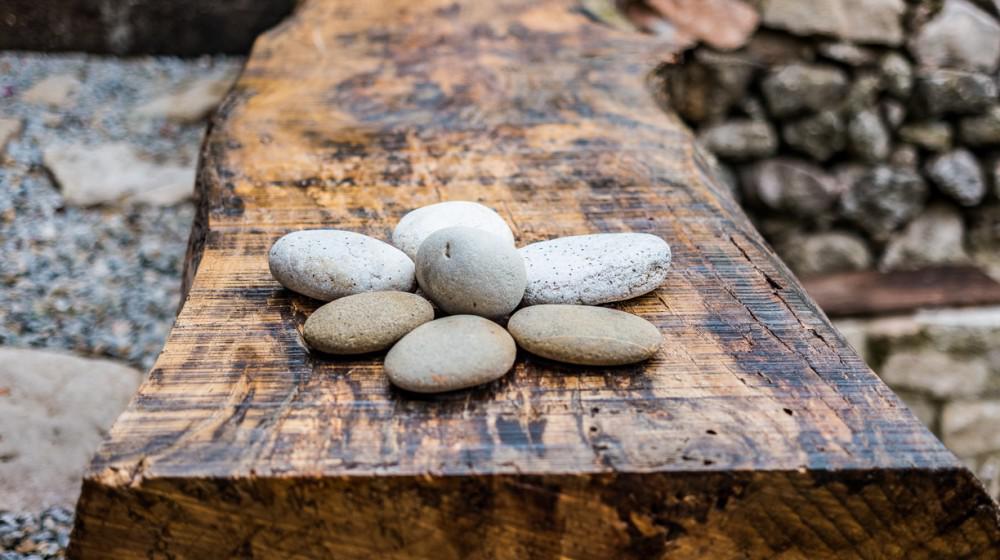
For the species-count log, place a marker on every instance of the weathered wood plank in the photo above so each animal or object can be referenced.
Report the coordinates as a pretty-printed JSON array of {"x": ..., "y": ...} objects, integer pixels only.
[
  {"x": 755, "y": 433},
  {"x": 874, "y": 293}
]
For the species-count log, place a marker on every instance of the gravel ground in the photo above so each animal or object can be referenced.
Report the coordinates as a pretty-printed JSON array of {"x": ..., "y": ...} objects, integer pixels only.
[
  {"x": 25, "y": 536},
  {"x": 102, "y": 280},
  {"x": 98, "y": 281}
]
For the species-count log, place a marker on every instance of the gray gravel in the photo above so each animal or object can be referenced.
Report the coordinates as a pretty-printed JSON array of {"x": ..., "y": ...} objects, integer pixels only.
[
  {"x": 25, "y": 536},
  {"x": 105, "y": 280},
  {"x": 99, "y": 281}
]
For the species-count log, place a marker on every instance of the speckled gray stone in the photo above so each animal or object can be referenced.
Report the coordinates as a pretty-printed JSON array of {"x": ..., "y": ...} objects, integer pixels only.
[
  {"x": 415, "y": 227},
  {"x": 584, "y": 335},
  {"x": 594, "y": 269},
  {"x": 366, "y": 322},
  {"x": 451, "y": 353},
  {"x": 470, "y": 271},
  {"x": 327, "y": 264}
]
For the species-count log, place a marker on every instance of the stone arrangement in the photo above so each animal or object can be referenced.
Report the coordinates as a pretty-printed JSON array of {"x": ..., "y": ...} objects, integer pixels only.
[
  {"x": 859, "y": 134},
  {"x": 463, "y": 257}
]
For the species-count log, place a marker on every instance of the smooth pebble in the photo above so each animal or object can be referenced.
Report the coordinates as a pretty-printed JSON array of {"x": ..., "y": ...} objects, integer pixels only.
[
  {"x": 583, "y": 335},
  {"x": 451, "y": 353},
  {"x": 327, "y": 264},
  {"x": 470, "y": 271},
  {"x": 415, "y": 227},
  {"x": 366, "y": 322},
  {"x": 594, "y": 269}
]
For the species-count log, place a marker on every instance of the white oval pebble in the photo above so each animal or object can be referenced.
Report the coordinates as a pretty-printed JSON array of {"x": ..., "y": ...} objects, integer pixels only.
[
  {"x": 327, "y": 264},
  {"x": 467, "y": 271},
  {"x": 594, "y": 269},
  {"x": 419, "y": 224},
  {"x": 450, "y": 353}
]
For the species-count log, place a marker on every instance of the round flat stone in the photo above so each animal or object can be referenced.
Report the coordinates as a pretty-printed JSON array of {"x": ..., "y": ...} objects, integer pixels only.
[
  {"x": 584, "y": 335},
  {"x": 451, "y": 353},
  {"x": 470, "y": 271},
  {"x": 418, "y": 225},
  {"x": 366, "y": 322},
  {"x": 594, "y": 269},
  {"x": 327, "y": 264}
]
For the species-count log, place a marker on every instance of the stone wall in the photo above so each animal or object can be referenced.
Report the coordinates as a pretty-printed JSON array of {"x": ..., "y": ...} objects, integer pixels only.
[
  {"x": 858, "y": 133},
  {"x": 945, "y": 364},
  {"x": 865, "y": 134}
]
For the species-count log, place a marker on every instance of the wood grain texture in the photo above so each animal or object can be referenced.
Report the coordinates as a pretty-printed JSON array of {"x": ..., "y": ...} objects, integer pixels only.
[{"x": 755, "y": 433}]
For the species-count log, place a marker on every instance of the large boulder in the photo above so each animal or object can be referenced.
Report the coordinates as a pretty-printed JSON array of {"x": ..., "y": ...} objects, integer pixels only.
[
  {"x": 935, "y": 373},
  {"x": 897, "y": 75},
  {"x": 772, "y": 48},
  {"x": 958, "y": 174},
  {"x": 969, "y": 427},
  {"x": 862, "y": 21},
  {"x": 981, "y": 130},
  {"x": 825, "y": 253},
  {"x": 960, "y": 36},
  {"x": 883, "y": 198},
  {"x": 935, "y": 237},
  {"x": 797, "y": 88},
  {"x": 847, "y": 53},
  {"x": 740, "y": 139},
  {"x": 820, "y": 135},
  {"x": 955, "y": 91},
  {"x": 863, "y": 92},
  {"x": 868, "y": 137},
  {"x": 706, "y": 87},
  {"x": 984, "y": 237},
  {"x": 790, "y": 185},
  {"x": 934, "y": 136}
]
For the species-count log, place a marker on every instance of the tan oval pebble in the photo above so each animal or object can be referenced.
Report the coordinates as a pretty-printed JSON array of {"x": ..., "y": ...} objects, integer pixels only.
[
  {"x": 451, "y": 353},
  {"x": 366, "y": 322},
  {"x": 584, "y": 335}
]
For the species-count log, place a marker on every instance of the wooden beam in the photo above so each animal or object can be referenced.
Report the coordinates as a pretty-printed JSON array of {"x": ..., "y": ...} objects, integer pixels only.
[
  {"x": 756, "y": 433},
  {"x": 870, "y": 292}
]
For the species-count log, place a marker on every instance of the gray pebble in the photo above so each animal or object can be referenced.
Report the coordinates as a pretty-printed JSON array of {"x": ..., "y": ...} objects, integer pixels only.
[
  {"x": 366, "y": 322},
  {"x": 959, "y": 175},
  {"x": 451, "y": 353},
  {"x": 579, "y": 334},
  {"x": 416, "y": 226},
  {"x": 594, "y": 269},
  {"x": 327, "y": 264},
  {"x": 470, "y": 271}
]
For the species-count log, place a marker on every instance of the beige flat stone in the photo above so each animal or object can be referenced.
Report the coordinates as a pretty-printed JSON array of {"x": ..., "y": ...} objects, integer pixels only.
[
  {"x": 54, "y": 411},
  {"x": 9, "y": 128},
  {"x": 115, "y": 172},
  {"x": 190, "y": 103},
  {"x": 54, "y": 91}
]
